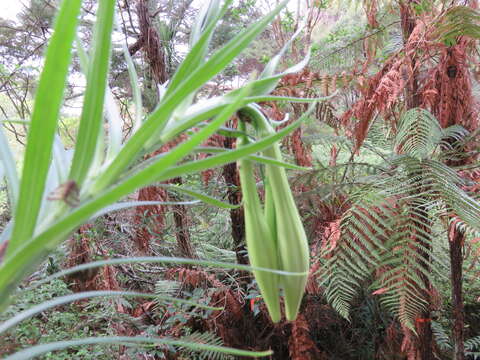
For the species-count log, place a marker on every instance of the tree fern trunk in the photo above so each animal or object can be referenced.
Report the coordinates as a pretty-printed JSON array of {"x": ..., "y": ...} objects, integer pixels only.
[
  {"x": 182, "y": 232},
  {"x": 456, "y": 260},
  {"x": 412, "y": 94},
  {"x": 457, "y": 109},
  {"x": 232, "y": 180}
]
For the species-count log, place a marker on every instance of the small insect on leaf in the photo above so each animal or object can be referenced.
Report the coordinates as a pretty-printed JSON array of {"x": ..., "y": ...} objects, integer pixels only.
[
  {"x": 68, "y": 192},
  {"x": 3, "y": 249}
]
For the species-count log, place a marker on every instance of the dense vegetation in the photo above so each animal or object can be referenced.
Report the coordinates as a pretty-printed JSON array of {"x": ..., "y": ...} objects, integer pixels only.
[{"x": 237, "y": 179}]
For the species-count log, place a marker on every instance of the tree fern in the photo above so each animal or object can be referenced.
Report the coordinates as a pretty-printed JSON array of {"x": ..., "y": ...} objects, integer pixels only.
[
  {"x": 418, "y": 134},
  {"x": 444, "y": 342},
  {"x": 388, "y": 234}
]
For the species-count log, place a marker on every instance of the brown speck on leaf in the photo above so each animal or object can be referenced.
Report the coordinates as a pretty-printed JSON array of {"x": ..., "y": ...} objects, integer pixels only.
[
  {"x": 3, "y": 249},
  {"x": 68, "y": 192}
]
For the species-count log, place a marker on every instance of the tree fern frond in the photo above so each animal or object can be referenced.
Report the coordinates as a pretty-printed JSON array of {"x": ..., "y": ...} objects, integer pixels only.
[
  {"x": 441, "y": 337},
  {"x": 384, "y": 233},
  {"x": 340, "y": 290},
  {"x": 389, "y": 232},
  {"x": 364, "y": 230},
  {"x": 419, "y": 133},
  {"x": 455, "y": 132},
  {"x": 205, "y": 338},
  {"x": 444, "y": 342},
  {"x": 166, "y": 287},
  {"x": 459, "y": 21},
  {"x": 473, "y": 344}
]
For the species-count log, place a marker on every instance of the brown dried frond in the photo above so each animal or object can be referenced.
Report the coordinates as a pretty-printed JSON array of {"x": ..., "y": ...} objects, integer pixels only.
[
  {"x": 364, "y": 109},
  {"x": 371, "y": 10},
  {"x": 312, "y": 287},
  {"x": 385, "y": 89},
  {"x": 193, "y": 277},
  {"x": 448, "y": 93},
  {"x": 82, "y": 252},
  {"x": 231, "y": 302},
  {"x": 154, "y": 214},
  {"x": 325, "y": 84},
  {"x": 213, "y": 141},
  {"x": 333, "y": 156},
  {"x": 418, "y": 39},
  {"x": 301, "y": 345},
  {"x": 303, "y": 155},
  {"x": 331, "y": 236},
  {"x": 333, "y": 84}
]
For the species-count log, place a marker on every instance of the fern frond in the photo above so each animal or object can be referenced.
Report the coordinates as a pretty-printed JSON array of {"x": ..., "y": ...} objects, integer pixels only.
[
  {"x": 211, "y": 252},
  {"x": 455, "y": 132},
  {"x": 390, "y": 234},
  {"x": 473, "y": 344},
  {"x": 166, "y": 287},
  {"x": 441, "y": 337},
  {"x": 419, "y": 133},
  {"x": 459, "y": 21},
  {"x": 205, "y": 338},
  {"x": 387, "y": 234},
  {"x": 364, "y": 229}
]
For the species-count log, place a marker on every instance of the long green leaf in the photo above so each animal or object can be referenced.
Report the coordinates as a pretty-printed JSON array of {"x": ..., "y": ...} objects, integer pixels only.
[
  {"x": 130, "y": 204},
  {"x": 198, "y": 195},
  {"x": 136, "y": 90},
  {"x": 258, "y": 158},
  {"x": 201, "y": 35},
  {"x": 8, "y": 162},
  {"x": 6, "y": 325},
  {"x": 160, "y": 260},
  {"x": 92, "y": 113},
  {"x": 142, "y": 178},
  {"x": 143, "y": 138},
  {"x": 43, "y": 125},
  {"x": 231, "y": 155},
  {"x": 131, "y": 341},
  {"x": 211, "y": 107}
]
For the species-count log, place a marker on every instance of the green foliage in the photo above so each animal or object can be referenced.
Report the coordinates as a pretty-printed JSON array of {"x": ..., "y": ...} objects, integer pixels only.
[
  {"x": 62, "y": 323},
  {"x": 389, "y": 233},
  {"x": 456, "y": 22},
  {"x": 442, "y": 338},
  {"x": 205, "y": 338},
  {"x": 339, "y": 49}
]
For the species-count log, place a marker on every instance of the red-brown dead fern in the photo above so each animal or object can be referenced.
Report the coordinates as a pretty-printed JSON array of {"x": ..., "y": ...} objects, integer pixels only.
[{"x": 301, "y": 345}]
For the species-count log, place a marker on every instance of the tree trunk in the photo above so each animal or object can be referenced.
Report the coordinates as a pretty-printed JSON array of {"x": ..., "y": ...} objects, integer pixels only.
[
  {"x": 412, "y": 94},
  {"x": 456, "y": 239},
  {"x": 150, "y": 42},
  {"x": 181, "y": 224},
  {"x": 457, "y": 109},
  {"x": 232, "y": 180}
]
